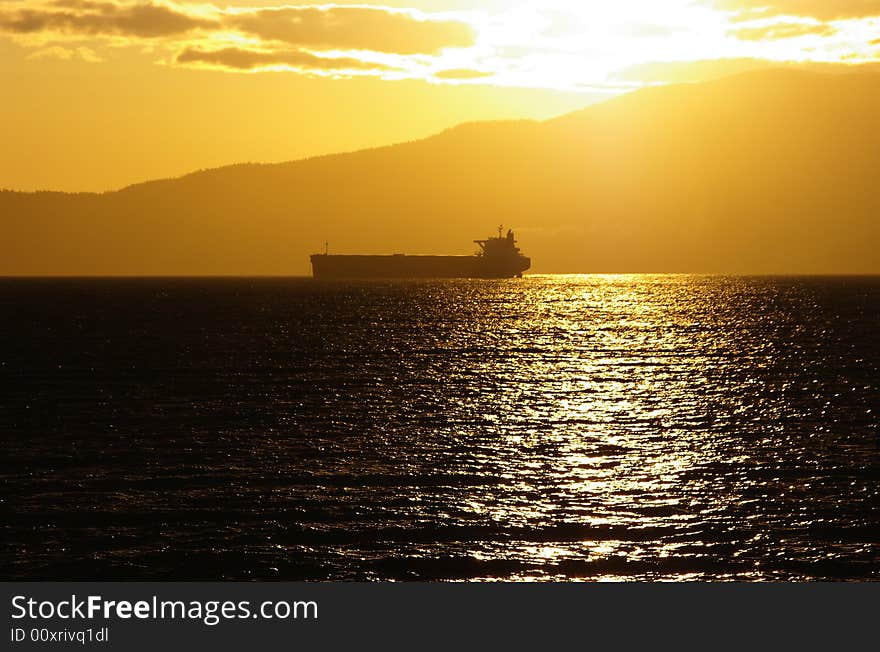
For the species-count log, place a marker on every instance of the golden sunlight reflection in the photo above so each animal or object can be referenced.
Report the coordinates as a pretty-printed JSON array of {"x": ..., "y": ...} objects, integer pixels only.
[
  {"x": 543, "y": 428},
  {"x": 602, "y": 408}
]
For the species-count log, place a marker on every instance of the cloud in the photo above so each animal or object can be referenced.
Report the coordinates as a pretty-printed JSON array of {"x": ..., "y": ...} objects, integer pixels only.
[
  {"x": 820, "y": 9},
  {"x": 66, "y": 54},
  {"x": 782, "y": 31},
  {"x": 329, "y": 27},
  {"x": 314, "y": 28},
  {"x": 85, "y": 18},
  {"x": 709, "y": 69},
  {"x": 354, "y": 28},
  {"x": 244, "y": 59},
  {"x": 461, "y": 73},
  {"x": 303, "y": 39}
]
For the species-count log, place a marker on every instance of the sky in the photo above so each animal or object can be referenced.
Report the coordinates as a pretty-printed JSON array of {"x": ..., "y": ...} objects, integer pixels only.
[{"x": 98, "y": 94}]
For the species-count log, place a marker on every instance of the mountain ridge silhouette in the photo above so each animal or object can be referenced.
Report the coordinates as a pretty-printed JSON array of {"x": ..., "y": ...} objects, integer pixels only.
[{"x": 761, "y": 172}]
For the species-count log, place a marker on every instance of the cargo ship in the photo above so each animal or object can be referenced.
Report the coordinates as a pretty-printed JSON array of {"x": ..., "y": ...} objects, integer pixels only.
[{"x": 498, "y": 257}]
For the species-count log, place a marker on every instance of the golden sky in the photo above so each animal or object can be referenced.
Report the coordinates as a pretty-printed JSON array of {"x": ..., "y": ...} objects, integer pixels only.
[{"x": 102, "y": 93}]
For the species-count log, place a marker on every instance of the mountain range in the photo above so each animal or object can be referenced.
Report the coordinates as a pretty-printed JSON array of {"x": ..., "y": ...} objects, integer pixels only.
[{"x": 764, "y": 172}]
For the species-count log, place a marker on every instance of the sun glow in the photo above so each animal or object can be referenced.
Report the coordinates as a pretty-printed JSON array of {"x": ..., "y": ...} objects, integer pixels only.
[
  {"x": 595, "y": 46},
  {"x": 570, "y": 45},
  {"x": 582, "y": 44}
]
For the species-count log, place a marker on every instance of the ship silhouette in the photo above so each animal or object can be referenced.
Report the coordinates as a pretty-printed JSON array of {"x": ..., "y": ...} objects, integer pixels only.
[{"x": 498, "y": 257}]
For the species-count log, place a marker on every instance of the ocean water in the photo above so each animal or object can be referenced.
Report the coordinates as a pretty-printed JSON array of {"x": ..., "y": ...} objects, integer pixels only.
[{"x": 545, "y": 428}]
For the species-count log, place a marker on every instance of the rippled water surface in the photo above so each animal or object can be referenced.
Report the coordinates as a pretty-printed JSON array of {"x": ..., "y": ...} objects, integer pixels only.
[{"x": 624, "y": 427}]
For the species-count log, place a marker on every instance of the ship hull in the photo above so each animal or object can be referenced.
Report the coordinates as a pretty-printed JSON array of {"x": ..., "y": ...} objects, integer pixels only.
[{"x": 326, "y": 266}]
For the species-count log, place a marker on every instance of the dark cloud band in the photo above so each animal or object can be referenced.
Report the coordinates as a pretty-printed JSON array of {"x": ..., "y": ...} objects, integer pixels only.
[
  {"x": 102, "y": 18},
  {"x": 331, "y": 27},
  {"x": 244, "y": 59},
  {"x": 354, "y": 28}
]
